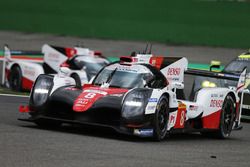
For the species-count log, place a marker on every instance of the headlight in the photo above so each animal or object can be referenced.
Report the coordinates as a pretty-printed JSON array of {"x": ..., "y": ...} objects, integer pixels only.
[
  {"x": 208, "y": 84},
  {"x": 41, "y": 90},
  {"x": 135, "y": 102}
]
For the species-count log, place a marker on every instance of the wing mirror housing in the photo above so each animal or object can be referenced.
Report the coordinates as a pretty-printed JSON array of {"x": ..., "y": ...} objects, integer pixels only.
[
  {"x": 214, "y": 65},
  {"x": 178, "y": 85},
  {"x": 64, "y": 71}
]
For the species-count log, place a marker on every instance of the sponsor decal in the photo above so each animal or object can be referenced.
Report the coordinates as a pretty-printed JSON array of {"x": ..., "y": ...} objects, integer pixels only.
[
  {"x": 152, "y": 100},
  {"x": 96, "y": 91},
  {"x": 135, "y": 59},
  {"x": 151, "y": 108},
  {"x": 144, "y": 132},
  {"x": 173, "y": 79},
  {"x": 193, "y": 108},
  {"x": 29, "y": 72},
  {"x": 71, "y": 88},
  {"x": 90, "y": 95},
  {"x": 153, "y": 62},
  {"x": 181, "y": 116},
  {"x": 216, "y": 103},
  {"x": 182, "y": 106},
  {"x": 127, "y": 69},
  {"x": 182, "y": 120},
  {"x": 246, "y": 106},
  {"x": 172, "y": 119},
  {"x": 117, "y": 95},
  {"x": 214, "y": 95},
  {"x": 82, "y": 101},
  {"x": 53, "y": 57},
  {"x": 67, "y": 82},
  {"x": 174, "y": 71}
]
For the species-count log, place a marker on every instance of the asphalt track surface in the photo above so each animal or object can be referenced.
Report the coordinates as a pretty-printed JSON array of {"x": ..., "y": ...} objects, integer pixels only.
[
  {"x": 194, "y": 54},
  {"x": 24, "y": 144}
]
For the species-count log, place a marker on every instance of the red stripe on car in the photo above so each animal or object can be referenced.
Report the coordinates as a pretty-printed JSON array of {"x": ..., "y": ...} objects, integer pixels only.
[
  {"x": 212, "y": 121},
  {"x": 91, "y": 94}
]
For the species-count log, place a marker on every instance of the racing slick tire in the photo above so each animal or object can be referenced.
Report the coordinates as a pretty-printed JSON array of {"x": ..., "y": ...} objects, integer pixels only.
[
  {"x": 15, "y": 79},
  {"x": 77, "y": 80},
  {"x": 160, "y": 123},
  {"x": 227, "y": 117}
]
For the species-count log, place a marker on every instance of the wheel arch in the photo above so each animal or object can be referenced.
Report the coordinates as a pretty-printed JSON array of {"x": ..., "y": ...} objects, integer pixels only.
[
  {"x": 165, "y": 94},
  {"x": 77, "y": 80},
  {"x": 233, "y": 96},
  {"x": 15, "y": 65}
]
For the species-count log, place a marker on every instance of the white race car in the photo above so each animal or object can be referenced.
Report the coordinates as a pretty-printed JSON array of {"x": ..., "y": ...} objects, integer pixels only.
[
  {"x": 79, "y": 63},
  {"x": 139, "y": 96}
]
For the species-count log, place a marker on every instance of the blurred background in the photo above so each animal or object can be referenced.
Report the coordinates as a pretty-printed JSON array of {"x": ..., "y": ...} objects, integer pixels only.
[{"x": 223, "y": 23}]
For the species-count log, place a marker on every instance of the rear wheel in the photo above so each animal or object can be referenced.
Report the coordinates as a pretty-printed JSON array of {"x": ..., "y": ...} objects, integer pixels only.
[
  {"x": 15, "y": 79},
  {"x": 227, "y": 117},
  {"x": 161, "y": 119}
]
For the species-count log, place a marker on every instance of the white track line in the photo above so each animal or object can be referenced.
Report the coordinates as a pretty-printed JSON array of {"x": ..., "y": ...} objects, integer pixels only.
[{"x": 13, "y": 95}]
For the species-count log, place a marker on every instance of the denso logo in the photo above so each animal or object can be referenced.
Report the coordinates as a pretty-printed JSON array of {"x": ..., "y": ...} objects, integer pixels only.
[
  {"x": 216, "y": 103},
  {"x": 174, "y": 71},
  {"x": 29, "y": 71},
  {"x": 53, "y": 55}
]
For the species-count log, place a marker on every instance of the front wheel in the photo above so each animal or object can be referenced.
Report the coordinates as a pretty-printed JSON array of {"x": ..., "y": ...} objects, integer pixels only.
[{"x": 161, "y": 119}]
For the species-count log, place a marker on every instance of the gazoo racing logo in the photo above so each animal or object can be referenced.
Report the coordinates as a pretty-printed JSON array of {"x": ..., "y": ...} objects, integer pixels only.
[{"x": 216, "y": 103}]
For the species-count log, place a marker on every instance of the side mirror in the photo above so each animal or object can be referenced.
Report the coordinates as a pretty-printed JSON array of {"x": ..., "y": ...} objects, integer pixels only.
[
  {"x": 64, "y": 71},
  {"x": 214, "y": 64},
  {"x": 178, "y": 85}
]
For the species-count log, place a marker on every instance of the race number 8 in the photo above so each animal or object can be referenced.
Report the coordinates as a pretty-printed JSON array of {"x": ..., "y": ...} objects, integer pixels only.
[
  {"x": 90, "y": 95},
  {"x": 182, "y": 118}
]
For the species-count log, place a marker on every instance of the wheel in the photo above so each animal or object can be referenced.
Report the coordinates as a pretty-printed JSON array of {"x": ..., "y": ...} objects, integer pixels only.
[
  {"x": 161, "y": 119},
  {"x": 77, "y": 80},
  {"x": 15, "y": 79},
  {"x": 228, "y": 114}
]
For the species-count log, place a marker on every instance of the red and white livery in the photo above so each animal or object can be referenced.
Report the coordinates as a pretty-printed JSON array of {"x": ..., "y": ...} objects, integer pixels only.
[
  {"x": 140, "y": 95},
  {"x": 82, "y": 64}
]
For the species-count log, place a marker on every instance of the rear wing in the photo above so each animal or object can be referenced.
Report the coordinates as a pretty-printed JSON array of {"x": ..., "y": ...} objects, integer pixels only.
[
  {"x": 10, "y": 55},
  {"x": 240, "y": 78},
  {"x": 55, "y": 56},
  {"x": 211, "y": 74},
  {"x": 173, "y": 69}
]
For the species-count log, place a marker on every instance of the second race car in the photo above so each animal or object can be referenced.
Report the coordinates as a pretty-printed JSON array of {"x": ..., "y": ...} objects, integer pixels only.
[
  {"x": 82, "y": 64},
  {"x": 233, "y": 69}
]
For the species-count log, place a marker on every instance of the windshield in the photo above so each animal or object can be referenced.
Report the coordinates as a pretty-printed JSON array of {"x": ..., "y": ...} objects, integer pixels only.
[
  {"x": 237, "y": 66},
  {"x": 91, "y": 65},
  {"x": 123, "y": 77}
]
